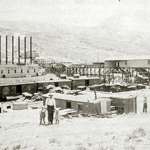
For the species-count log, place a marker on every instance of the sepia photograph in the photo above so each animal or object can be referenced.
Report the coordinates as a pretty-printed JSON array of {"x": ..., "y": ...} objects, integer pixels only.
[{"x": 74, "y": 75}]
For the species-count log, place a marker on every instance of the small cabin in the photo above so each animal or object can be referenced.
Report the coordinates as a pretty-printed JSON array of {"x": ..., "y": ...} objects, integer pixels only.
[{"x": 81, "y": 104}]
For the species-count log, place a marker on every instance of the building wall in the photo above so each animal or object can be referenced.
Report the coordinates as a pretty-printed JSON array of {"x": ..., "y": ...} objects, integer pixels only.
[
  {"x": 68, "y": 83},
  {"x": 94, "y": 81},
  {"x": 42, "y": 85},
  {"x": 129, "y": 63},
  {"x": 60, "y": 103},
  {"x": 8, "y": 90},
  {"x": 129, "y": 105},
  {"x": 31, "y": 88},
  {"x": 109, "y": 64},
  {"x": 134, "y": 63},
  {"x": 18, "y": 70},
  {"x": 12, "y": 89},
  {"x": 82, "y": 82},
  {"x": 76, "y": 83},
  {"x": 83, "y": 69},
  {"x": 91, "y": 108},
  {"x": 86, "y": 108}
]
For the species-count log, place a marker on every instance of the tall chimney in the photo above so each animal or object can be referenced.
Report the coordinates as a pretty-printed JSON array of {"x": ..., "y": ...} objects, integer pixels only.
[
  {"x": 6, "y": 49},
  {"x": 31, "y": 49},
  {"x": 19, "y": 50},
  {"x": 12, "y": 49},
  {"x": 0, "y": 51},
  {"x": 25, "y": 53}
]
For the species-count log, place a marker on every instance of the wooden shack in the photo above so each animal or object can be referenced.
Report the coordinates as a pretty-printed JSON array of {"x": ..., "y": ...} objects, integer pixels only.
[
  {"x": 82, "y": 104},
  {"x": 103, "y": 105},
  {"x": 124, "y": 104},
  {"x": 19, "y": 105}
]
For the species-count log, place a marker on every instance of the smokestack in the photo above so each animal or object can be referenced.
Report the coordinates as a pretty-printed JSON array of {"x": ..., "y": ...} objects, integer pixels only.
[
  {"x": 19, "y": 50},
  {"x": 0, "y": 51},
  {"x": 31, "y": 49},
  {"x": 6, "y": 49},
  {"x": 12, "y": 49},
  {"x": 25, "y": 54}
]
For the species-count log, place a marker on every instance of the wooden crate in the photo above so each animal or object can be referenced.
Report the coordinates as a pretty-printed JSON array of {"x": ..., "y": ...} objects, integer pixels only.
[{"x": 20, "y": 106}]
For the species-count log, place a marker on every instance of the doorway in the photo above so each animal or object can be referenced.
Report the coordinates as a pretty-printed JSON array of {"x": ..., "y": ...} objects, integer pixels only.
[
  {"x": 87, "y": 82},
  {"x": 80, "y": 107},
  {"x": 19, "y": 89},
  {"x": 56, "y": 84},
  {"x": 68, "y": 104}
]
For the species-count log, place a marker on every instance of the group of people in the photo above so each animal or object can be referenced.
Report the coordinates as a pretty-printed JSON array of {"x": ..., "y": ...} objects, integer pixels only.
[{"x": 52, "y": 112}]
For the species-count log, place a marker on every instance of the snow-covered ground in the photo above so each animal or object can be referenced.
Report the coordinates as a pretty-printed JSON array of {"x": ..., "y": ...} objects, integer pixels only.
[{"x": 21, "y": 130}]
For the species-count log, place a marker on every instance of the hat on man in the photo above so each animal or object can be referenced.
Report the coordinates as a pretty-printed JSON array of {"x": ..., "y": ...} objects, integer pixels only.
[{"x": 48, "y": 95}]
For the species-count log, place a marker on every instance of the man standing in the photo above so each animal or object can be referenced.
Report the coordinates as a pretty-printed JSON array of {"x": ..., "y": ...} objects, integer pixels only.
[
  {"x": 145, "y": 105},
  {"x": 50, "y": 102}
]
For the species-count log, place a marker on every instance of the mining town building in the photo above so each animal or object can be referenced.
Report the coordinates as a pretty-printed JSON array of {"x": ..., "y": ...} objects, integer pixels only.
[
  {"x": 95, "y": 69},
  {"x": 14, "y": 71}
]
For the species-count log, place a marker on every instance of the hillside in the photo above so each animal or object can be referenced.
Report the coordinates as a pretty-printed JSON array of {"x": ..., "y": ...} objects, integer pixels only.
[{"x": 81, "y": 31}]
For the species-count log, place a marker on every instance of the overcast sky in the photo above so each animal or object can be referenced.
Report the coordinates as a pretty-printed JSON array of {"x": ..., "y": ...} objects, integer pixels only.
[
  {"x": 75, "y": 12},
  {"x": 121, "y": 26}
]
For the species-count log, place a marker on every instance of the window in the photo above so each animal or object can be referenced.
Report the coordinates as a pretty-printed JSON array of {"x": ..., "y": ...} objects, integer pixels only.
[
  {"x": 19, "y": 89},
  {"x": 15, "y": 71},
  {"x": 125, "y": 62},
  {"x": 87, "y": 82},
  {"x": 8, "y": 107},
  {"x": 8, "y": 71},
  {"x": 3, "y": 76},
  {"x": 116, "y": 64},
  {"x": 56, "y": 84},
  {"x": 27, "y": 71},
  {"x": 34, "y": 70},
  {"x": 80, "y": 107},
  {"x": 68, "y": 104},
  {"x": 21, "y": 71},
  {"x": 2, "y": 71}
]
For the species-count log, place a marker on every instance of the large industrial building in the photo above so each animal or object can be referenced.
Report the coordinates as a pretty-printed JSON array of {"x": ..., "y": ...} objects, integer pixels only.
[
  {"x": 110, "y": 71},
  {"x": 20, "y": 65},
  {"x": 128, "y": 63},
  {"x": 95, "y": 69},
  {"x": 9, "y": 71},
  {"x": 131, "y": 70},
  {"x": 26, "y": 72},
  {"x": 16, "y": 63}
]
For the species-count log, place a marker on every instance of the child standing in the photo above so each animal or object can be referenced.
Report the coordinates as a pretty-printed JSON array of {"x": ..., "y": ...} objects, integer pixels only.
[
  {"x": 57, "y": 115},
  {"x": 42, "y": 115}
]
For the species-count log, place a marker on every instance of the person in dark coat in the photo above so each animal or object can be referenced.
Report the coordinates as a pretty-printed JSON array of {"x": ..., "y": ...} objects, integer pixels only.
[
  {"x": 145, "y": 106},
  {"x": 50, "y": 103}
]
